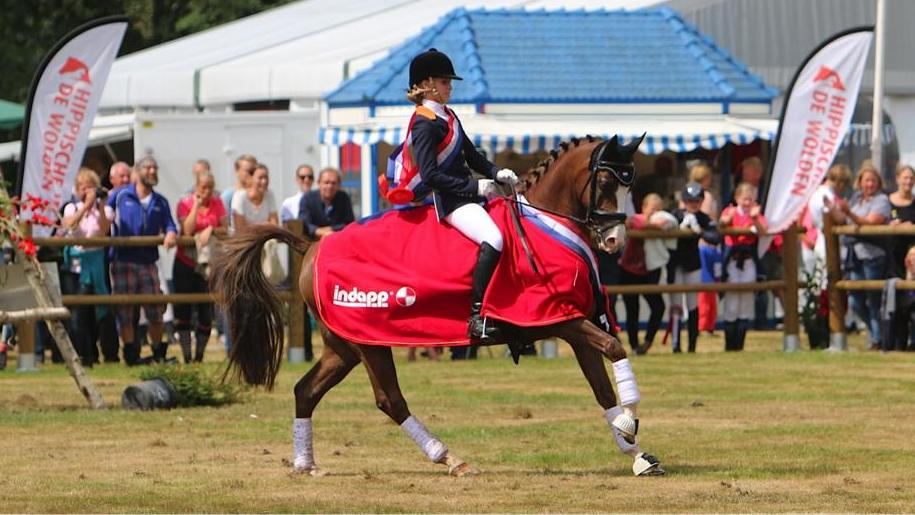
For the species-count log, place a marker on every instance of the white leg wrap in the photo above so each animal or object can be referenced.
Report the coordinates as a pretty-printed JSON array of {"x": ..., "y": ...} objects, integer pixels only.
[
  {"x": 433, "y": 447},
  {"x": 625, "y": 385},
  {"x": 303, "y": 454},
  {"x": 632, "y": 449}
]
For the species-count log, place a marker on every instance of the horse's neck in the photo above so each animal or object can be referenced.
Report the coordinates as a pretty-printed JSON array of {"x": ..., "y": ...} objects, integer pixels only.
[{"x": 554, "y": 191}]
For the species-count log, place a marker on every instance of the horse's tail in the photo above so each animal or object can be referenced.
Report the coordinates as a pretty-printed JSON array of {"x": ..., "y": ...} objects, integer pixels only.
[{"x": 251, "y": 304}]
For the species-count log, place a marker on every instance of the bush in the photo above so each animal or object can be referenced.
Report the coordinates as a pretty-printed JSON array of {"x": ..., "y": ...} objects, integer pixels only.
[{"x": 194, "y": 387}]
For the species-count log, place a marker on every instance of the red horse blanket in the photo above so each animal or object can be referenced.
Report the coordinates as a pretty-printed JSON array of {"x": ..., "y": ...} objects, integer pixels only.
[{"x": 403, "y": 278}]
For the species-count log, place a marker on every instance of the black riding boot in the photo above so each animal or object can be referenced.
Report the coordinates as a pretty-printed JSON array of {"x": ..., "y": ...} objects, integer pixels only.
[
  {"x": 160, "y": 350},
  {"x": 693, "y": 328},
  {"x": 132, "y": 354},
  {"x": 675, "y": 322},
  {"x": 487, "y": 260},
  {"x": 742, "y": 326},
  {"x": 202, "y": 337},
  {"x": 730, "y": 336}
]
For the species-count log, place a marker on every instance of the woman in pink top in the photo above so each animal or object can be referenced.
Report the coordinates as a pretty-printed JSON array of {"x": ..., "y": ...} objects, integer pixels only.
[
  {"x": 87, "y": 217},
  {"x": 200, "y": 214}
]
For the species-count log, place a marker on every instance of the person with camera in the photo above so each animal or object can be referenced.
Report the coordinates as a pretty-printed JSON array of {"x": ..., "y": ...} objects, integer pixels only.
[{"x": 88, "y": 216}]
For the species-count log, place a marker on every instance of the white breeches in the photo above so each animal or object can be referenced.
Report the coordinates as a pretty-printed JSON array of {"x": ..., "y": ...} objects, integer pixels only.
[
  {"x": 740, "y": 305},
  {"x": 683, "y": 277},
  {"x": 474, "y": 222}
]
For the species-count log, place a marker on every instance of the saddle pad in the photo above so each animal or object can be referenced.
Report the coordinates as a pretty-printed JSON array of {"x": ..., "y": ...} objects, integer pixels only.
[{"x": 402, "y": 278}]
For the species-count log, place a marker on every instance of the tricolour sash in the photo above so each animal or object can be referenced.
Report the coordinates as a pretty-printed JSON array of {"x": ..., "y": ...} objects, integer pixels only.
[{"x": 403, "y": 183}]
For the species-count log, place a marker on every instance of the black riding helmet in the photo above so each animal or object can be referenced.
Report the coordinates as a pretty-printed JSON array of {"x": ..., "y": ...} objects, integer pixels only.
[
  {"x": 431, "y": 63},
  {"x": 692, "y": 191}
]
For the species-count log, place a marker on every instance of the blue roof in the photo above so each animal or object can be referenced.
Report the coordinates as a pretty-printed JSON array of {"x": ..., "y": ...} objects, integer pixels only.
[{"x": 642, "y": 56}]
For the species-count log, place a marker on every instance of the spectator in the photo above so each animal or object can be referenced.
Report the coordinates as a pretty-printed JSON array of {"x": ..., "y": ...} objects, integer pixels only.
[
  {"x": 255, "y": 204},
  {"x": 89, "y": 216},
  {"x": 244, "y": 169},
  {"x": 140, "y": 211},
  {"x": 751, "y": 172},
  {"x": 327, "y": 210},
  {"x": 119, "y": 175},
  {"x": 902, "y": 212},
  {"x": 200, "y": 166},
  {"x": 642, "y": 267},
  {"x": 865, "y": 258},
  {"x": 684, "y": 266},
  {"x": 305, "y": 178},
  {"x": 200, "y": 214},
  {"x": 709, "y": 255},
  {"x": 903, "y": 328},
  {"x": 740, "y": 263},
  {"x": 814, "y": 248}
]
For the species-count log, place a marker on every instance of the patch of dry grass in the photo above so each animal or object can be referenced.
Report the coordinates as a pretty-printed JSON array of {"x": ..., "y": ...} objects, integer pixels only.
[{"x": 738, "y": 432}]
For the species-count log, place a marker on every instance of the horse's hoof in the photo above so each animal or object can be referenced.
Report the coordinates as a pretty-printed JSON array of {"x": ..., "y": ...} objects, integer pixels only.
[
  {"x": 312, "y": 471},
  {"x": 458, "y": 467},
  {"x": 647, "y": 465},
  {"x": 627, "y": 426}
]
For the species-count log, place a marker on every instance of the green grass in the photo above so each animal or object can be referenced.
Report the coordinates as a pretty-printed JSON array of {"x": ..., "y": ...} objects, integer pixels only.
[{"x": 754, "y": 431}]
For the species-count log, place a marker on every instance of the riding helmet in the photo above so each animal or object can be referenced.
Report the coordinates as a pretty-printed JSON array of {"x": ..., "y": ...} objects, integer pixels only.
[
  {"x": 692, "y": 191},
  {"x": 431, "y": 63}
]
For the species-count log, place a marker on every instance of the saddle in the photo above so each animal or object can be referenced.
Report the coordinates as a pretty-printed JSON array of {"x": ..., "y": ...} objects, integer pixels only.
[{"x": 402, "y": 278}]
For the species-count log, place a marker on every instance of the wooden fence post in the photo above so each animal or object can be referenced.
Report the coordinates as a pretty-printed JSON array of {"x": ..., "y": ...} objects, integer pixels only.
[
  {"x": 791, "y": 339},
  {"x": 837, "y": 300},
  {"x": 296, "y": 352},
  {"x": 25, "y": 331}
]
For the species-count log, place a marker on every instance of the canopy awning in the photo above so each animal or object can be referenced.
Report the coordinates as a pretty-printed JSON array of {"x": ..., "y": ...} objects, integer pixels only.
[
  {"x": 11, "y": 114},
  {"x": 105, "y": 129},
  {"x": 537, "y": 134}
]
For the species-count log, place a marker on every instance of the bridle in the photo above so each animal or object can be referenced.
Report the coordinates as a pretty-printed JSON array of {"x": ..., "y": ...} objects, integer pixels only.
[{"x": 595, "y": 220}]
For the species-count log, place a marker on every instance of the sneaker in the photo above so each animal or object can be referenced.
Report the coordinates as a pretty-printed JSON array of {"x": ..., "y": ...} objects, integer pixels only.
[{"x": 874, "y": 346}]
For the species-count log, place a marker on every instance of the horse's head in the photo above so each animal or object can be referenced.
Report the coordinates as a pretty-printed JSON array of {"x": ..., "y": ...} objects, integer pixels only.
[{"x": 591, "y": 184}]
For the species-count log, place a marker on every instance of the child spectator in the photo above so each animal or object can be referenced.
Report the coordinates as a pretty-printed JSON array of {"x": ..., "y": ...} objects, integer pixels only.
[
  {"x": 709, "y": 255},
  {"x": 684, "y": 266},
  {"x": 740, "y": 263},
  {"x": 642, "y": 263}
]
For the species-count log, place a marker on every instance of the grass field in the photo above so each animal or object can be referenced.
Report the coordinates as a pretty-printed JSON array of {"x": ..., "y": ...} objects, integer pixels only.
[{"x": 740, "y": 432}]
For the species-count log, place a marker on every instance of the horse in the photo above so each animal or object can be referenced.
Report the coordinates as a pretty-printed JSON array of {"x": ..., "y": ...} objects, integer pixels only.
[{"x": 584, "y": 181}]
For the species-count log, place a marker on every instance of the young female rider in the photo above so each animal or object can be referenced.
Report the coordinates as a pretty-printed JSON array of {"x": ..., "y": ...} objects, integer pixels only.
[{"x": 444, "y": 170}]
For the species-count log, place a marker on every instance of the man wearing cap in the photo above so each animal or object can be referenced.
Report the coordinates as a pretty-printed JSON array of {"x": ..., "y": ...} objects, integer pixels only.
[{"x": 684, "y": 265}]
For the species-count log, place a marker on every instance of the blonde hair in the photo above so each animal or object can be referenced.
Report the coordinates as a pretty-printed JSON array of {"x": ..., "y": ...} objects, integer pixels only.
[
  {"x": 745, "y": 188},
  {"x": 904, "y": 168},
  {"x": 88, "y": 174},
  {"x": 839, "y": 174},
  {"x": 910, "y": 258},
  {"x": 751, "y": 162},
  {"x": 206, "y": 175},
  {"x": 700, "y": 172},
  {"x": 653, "y": 199},
  {"x": 245, "y": 158},
  {"x": 866, "y": 168},
  {"x": 416, "y": 94}
]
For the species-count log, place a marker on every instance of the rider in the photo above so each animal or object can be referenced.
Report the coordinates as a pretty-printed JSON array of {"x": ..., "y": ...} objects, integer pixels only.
[{"x": 444, "y": 156}]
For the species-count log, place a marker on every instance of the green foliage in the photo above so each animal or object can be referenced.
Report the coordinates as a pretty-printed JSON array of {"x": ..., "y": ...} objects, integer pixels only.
[
  {"x": 31, "y": 28},
  {"x": 194, "y": 386}
]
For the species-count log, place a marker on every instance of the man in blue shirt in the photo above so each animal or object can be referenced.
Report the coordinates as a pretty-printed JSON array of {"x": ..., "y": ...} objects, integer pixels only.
[{"x": 140, "y": 211}]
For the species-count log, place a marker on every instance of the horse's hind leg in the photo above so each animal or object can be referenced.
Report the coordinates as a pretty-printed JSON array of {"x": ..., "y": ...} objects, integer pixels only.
[
  {"x": 379, "y": 363},
  {"x": 337, "y": 360}
]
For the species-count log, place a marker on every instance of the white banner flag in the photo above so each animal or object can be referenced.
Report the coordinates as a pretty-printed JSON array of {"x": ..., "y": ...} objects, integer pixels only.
[
  {"x": 816, "y": 115},
  {"x": 62, "y": 106}
]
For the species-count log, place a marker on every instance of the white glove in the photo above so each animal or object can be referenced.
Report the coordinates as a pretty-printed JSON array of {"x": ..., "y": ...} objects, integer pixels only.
[
  {"x": 506, "y": 176},
  {"x": 486, "y": 188},
  {"x": 690, "y": 222}
]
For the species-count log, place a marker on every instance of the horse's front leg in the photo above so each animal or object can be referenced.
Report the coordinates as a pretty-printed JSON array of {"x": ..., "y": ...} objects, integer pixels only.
[
  {"x": 379, "y": 363},
  {"x": 589, "y": 343}
]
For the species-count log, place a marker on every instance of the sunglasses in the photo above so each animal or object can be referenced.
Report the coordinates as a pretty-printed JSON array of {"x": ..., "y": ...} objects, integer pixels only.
[{"x": 309, "y": 177}]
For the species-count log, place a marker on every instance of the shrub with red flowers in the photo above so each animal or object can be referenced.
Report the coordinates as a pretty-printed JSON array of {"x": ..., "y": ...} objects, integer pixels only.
[{"x": 10, "y": 228}]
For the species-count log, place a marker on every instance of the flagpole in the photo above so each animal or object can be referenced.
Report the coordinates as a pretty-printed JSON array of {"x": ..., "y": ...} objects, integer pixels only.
[{"x": 877, "y": 120}]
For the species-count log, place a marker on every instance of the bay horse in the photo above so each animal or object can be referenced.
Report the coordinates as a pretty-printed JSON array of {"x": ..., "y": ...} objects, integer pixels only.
[{"x": 585, "y": 181}]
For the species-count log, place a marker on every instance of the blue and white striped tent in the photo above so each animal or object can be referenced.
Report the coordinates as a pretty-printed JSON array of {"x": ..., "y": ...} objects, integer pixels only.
[{"x": 495, "y": 135}]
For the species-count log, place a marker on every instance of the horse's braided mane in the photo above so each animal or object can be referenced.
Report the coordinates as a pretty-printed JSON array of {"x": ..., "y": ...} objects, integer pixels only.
[{"x": 537, "y": 172}]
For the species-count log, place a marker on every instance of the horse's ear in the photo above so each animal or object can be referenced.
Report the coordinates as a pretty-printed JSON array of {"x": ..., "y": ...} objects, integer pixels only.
[
  {"x": 614, "y": 142},
  {"x": 633, "y": 145}
]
